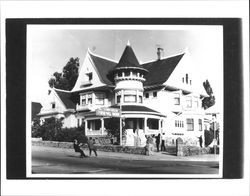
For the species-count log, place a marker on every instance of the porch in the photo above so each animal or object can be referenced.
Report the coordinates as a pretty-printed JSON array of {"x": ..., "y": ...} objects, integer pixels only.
[{"x": 149, "y": 125}]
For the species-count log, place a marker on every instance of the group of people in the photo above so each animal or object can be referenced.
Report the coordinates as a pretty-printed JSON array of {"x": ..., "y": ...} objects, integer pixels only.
[
  {"x": 91, "y": 146},
  {"x": 158, "y": 141}
]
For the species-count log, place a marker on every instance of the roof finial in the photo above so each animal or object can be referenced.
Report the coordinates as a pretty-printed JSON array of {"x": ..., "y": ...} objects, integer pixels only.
[{"x": 128, "y": 44}]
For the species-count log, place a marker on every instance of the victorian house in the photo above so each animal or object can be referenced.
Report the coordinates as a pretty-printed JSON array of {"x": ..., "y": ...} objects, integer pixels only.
[{"x": 160, "y": 96}]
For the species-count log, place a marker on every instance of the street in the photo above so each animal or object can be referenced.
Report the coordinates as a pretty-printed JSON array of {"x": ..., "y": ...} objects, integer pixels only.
[{"x": 49, "y": 160}]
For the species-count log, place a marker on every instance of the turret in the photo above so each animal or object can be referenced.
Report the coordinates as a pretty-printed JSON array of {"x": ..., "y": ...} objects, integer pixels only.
[{"x": 128, "y": 76}]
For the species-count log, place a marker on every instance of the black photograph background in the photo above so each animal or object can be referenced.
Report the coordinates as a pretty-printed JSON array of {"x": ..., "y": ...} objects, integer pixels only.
[{"x": 16, "y": 86}]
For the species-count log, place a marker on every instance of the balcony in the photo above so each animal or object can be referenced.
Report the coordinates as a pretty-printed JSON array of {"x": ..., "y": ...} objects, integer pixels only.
[{"x": 84, "y": 107}]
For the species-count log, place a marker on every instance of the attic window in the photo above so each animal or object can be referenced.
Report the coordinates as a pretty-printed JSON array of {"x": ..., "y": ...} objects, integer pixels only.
[
  {"x": 147, "y": 95},
  {"x": 155, "y": 94},
  {"x": 90, "y": 75},
  {"x": 53, "y": 105},
  {"x": 187, "y": 78}
]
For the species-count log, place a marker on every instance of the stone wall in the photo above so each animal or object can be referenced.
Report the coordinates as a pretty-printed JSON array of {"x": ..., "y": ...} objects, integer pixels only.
[
  {"x": 106, "y": 148},
  {"x": 183, "y": 150}
]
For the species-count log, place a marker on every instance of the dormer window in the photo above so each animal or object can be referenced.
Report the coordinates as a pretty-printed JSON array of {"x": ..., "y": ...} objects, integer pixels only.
[{"x": 90, "y": 75}]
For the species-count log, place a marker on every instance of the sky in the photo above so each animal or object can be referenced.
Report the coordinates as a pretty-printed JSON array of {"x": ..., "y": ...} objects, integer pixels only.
[{"x": 49, "y": 47}]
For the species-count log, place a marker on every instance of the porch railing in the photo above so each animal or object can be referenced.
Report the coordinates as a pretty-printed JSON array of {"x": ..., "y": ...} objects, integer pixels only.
[{"x": 94, "y": 132}]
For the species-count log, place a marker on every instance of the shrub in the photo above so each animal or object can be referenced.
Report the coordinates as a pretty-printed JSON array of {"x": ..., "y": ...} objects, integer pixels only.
[
  {"x": 69, "y": 134},
  {"x": 51, "y": 130}
]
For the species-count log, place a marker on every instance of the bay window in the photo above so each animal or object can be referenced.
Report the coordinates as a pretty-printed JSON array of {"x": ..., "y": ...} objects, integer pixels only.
[
  {"x": 84, "y": 102},
  {"x": 130, "y": 98},
  {"x": 190, "y": 124}
]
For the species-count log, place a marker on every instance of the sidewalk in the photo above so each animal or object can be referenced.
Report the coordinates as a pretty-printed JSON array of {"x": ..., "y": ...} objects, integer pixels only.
[{"x": 160, "y": 156}]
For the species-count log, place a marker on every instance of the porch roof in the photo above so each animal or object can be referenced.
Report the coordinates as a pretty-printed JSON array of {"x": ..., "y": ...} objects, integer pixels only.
[
  {"x": 137, "y": 108},
  {"x": 134, "y": 109}
]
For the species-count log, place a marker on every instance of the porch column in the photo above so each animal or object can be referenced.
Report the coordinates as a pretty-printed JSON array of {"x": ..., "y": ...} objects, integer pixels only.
[
  {"x": 102, "y": 126},
  {"x": 145, "y": 124},
  {"x": 159, "y": 125},
  {"x": 86, "y": 126}
]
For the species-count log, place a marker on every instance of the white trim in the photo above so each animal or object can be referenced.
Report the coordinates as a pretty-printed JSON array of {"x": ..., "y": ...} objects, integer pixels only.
[
  {"x": 164, "y": 58},
  {"x": 66, "y": 91},
  {"x": 128, "y": 44},
  {"x": 90, "y": 52},
  {"x": 143, "y": 112}
]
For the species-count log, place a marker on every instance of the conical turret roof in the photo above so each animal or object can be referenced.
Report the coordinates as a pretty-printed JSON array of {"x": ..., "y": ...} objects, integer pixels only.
[{"x": 128, "y": 60}]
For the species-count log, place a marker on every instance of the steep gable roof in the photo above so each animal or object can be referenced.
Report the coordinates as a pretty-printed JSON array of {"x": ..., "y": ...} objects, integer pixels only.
[
  {"x": 103, "y": 67},
  {"x": 68, "y": 99},
  {"x": 160, "y": 70}
]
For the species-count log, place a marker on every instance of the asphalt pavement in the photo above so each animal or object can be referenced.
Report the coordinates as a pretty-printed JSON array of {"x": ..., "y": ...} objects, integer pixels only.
[{"x": 50, "y": 160}]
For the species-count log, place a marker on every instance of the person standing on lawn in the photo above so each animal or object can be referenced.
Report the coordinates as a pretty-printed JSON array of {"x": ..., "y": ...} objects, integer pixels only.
[
  {"x": 91, "y": 145},
  {"x": 157, "y": 141}
]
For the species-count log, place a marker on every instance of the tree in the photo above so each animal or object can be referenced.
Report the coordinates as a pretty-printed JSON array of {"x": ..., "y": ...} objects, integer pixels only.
[
  {"x": 49, "y": 130},
  {"x": 207, "y": 102},
  {"x": 67, "y": 79}
]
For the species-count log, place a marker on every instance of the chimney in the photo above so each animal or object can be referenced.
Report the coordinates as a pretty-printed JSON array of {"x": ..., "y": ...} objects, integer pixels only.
[{"x": 159, "y": 53}]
